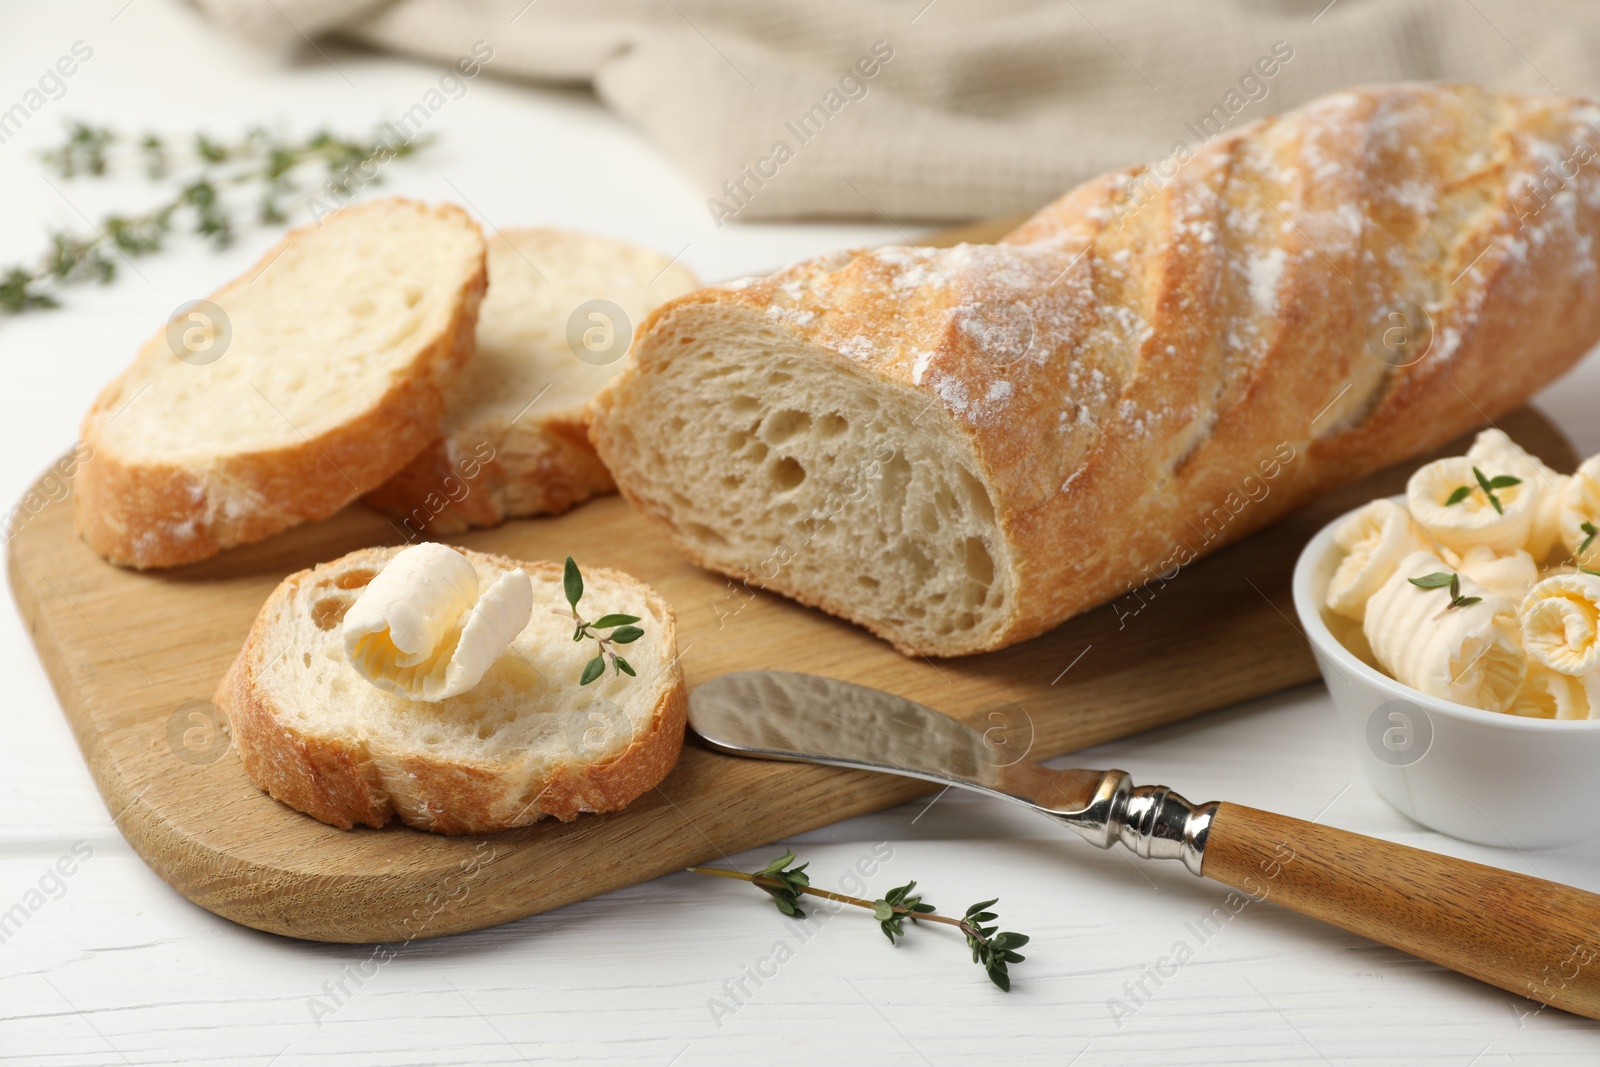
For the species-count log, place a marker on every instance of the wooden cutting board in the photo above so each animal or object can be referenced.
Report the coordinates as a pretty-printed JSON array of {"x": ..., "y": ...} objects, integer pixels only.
[{"x": 135, "y": 658}]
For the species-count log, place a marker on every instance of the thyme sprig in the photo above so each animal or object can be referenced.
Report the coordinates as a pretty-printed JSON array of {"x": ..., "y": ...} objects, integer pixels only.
[
  {"x": 1440, "y": 579},
  {"x": 1488, "y": 485},
  {"x": 992, "y": 948},
  {"x": 1589, "y": 533},
  {"x": 623, "y": 630},
  {"x": 200, "y": 175}
]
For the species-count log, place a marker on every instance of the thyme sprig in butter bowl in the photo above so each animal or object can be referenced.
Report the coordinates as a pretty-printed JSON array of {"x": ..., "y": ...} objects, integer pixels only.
[
  {"x": 1442, "y": 580},
  {"x": 1488, "y": 485}
]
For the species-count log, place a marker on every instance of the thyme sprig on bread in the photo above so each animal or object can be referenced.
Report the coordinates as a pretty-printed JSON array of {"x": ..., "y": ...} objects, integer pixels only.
[
  {"x": 785, "y": 882},
  {"x": 623, "y": 630}
]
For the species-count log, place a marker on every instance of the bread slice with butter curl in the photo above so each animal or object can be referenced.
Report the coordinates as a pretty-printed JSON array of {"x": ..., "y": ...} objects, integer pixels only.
[{"x": 527, "y": 741}]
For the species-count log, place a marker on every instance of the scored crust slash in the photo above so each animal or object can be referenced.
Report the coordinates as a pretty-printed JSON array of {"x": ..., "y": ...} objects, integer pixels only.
[{"x": 1253, "y": 488}]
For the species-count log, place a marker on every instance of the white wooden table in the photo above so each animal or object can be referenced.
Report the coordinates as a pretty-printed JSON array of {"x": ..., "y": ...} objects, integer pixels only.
[{"x": 113, "y": 967}]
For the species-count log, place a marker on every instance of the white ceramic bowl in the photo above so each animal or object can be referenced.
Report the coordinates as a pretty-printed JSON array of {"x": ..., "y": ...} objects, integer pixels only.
[{"x": 1495, "y": 779}]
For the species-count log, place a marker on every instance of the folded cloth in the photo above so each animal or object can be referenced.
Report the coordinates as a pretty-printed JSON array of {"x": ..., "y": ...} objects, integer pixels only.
[{"x": 942, "y": 109}]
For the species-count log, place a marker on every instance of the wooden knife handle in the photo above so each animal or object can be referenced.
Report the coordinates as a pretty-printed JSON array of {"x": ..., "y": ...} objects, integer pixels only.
[{"x": 1525, "y": 935}]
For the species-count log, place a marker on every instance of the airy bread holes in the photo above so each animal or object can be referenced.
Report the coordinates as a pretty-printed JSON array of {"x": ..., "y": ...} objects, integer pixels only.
[
  {"x": 703, "y": 533},
  {"x": 329, "y": 612},
  {"x": 892, "y": 482},
  {"x": 787, "y": 474},
  {"x": 976, "y": 494},
  {"x": 915, "y": 556},
  {"x": 782, "y": 425},
  {"x": 980, "y": 564},
  {"x": 355, "y": 578},
  {"x": 831, "y": 425}
]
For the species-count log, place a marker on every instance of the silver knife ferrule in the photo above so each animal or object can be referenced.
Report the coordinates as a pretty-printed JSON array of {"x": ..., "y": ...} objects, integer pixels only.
[{"x": 1151, "y": 820}]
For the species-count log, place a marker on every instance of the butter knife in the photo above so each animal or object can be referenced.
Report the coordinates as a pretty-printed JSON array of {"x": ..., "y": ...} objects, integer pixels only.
[{"x": 1523, "y": 934}]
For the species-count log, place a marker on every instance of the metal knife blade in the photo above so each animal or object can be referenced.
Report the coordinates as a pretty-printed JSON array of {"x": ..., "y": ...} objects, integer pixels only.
[{"x": 809, "y": 718}]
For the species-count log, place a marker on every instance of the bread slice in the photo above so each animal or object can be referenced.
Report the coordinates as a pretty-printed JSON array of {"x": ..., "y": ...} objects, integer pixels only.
[
  {"x": 514, "y": 440},
  {"x": 342, "y": 339},
  {"x": 527, "y": 741},
  {"x": 959, "y": 448}
]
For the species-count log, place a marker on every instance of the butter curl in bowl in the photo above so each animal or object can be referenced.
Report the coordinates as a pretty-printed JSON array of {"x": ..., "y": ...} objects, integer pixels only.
[
  {"x": 1455, "y": 584},
  {"x": 1458, "y": 630}
]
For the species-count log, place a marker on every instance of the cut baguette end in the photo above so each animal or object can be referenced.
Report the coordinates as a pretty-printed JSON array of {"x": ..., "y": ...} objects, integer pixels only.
[
  {"x": 526, "y": 742},
  {"x": 343, "y": 337},
  {"x": 776, "y": 461}
]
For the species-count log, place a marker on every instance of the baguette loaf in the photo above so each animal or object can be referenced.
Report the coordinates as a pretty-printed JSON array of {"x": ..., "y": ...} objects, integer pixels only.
[
  {"x": 322, "y": 377},
  {"x": 525, "y": 742},
  {"x": 514, "y": 440},
  {"x": 959, "y": 448}
]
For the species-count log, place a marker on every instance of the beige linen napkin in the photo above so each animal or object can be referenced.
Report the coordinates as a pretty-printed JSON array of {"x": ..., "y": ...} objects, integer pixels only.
[{"x": 942, "y": 109}]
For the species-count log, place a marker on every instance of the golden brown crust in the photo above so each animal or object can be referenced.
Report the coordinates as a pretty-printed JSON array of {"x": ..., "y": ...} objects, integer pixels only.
[
  {"x": 164, "y": 514},
  {"x": 329, "y": 781},
  {"x": 1191, "y": 355},
  {"x": 541, "y": 467},
  {"x": 344, "y": 786}
]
